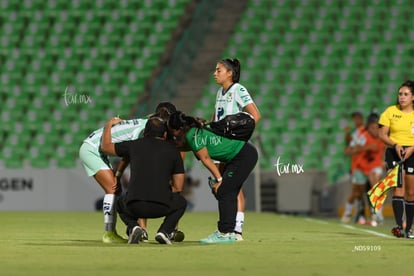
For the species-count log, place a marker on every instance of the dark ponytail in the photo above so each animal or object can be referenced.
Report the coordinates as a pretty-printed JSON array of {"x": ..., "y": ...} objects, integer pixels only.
[
  {"x": 178, "y": 120},
  {"x": 236, "y": 72},
  {"x": 234, "y": 66}
]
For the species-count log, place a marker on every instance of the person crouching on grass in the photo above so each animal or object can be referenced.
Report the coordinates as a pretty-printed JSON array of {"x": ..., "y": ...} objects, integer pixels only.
[{"x": 154, "y": 163}]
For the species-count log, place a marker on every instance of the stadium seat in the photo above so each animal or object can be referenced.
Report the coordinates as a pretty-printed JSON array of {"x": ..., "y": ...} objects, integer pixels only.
[{"x": 92, "y": 47}]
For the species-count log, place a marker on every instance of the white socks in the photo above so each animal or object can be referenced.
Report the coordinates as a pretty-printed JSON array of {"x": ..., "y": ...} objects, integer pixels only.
[
  {"x": 348, "y": 209},
  {"x": 109, "y": 212},
  {"x": 239, "y": 222},
  {"x": 379, "y": 213}
]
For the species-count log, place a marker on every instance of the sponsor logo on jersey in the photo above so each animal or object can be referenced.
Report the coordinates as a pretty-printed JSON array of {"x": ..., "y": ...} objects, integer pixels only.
[
  {"x": 229, "y": 97},
  {"x": 220, "y": 113},
  {"x": 204, "y": 140},
  {"x": 246, "y": 98}
]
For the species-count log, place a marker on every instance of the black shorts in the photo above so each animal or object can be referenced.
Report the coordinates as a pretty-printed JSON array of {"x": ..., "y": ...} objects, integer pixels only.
[{"x": 391, "y": 159}]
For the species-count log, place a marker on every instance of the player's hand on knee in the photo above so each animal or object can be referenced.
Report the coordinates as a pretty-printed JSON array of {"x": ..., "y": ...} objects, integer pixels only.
[{"x": 118, "y": 186}]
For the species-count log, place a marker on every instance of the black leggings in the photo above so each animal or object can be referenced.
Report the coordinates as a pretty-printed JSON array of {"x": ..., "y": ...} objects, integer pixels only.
[
  {"x": 235, "y": 173},
  {"x": 147, "y": 209}
]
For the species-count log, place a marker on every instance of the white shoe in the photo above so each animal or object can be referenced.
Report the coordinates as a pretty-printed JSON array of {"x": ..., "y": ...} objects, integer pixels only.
[
  {"x": 239, "y": 236},
  {"x": 345, "y": 219},
  {"x": 374, "y": 220}
]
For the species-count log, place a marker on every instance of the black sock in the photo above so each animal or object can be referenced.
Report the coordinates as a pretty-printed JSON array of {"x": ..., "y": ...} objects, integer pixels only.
[
  {"x": 409, "y": 214},
  {"x": 360, "y": 209},
  {"x": 398, "y": 208}
]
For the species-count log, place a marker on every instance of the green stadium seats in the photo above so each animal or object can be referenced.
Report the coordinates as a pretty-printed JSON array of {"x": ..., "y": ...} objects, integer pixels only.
[
  {"x": 13, "y": 163},
  {"x": 342, "y": 55},
  {"x": 91, "y": 47}
]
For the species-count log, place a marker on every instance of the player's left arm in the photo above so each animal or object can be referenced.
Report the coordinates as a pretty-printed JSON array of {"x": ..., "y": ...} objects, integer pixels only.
[
  {"x": 205, "y": 158},
  {"x": 177, "y": 182},
  {"x": 178, "y": 177},
  {"x": 121, "y": 166},
  {"x": 245, "y": 100},
  {"x": 254, "y": 111}
]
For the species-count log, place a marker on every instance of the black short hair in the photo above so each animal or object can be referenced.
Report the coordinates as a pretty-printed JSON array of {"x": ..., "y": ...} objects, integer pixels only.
[
  {"x": 372, "y": 118},
  {"x": 176, "y": 120},
  {"x": 155, "y": 127}
]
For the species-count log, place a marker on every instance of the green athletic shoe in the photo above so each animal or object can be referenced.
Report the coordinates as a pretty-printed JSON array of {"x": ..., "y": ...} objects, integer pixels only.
[
  {"x": 217, "y": 237},
  {"x": 113, "y": 237}
]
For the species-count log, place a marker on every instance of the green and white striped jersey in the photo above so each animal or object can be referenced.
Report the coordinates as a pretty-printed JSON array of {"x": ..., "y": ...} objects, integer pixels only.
[
  {"x": 124, "y": 131},
  {"x": 231, "y": 102}
]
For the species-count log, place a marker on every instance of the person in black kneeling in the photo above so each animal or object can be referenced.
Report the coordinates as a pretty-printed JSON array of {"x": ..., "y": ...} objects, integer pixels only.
[{"x": 157, "y": 178}]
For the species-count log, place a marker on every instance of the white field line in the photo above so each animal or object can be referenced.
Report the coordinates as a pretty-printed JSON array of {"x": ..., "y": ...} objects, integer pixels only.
[
  {"x": 352, "y": 227},
  {"x": 367, "y": 231}
]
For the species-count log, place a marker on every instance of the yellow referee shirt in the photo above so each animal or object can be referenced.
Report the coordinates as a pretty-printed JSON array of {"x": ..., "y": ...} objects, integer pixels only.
[{"x": 401, "y": 125}]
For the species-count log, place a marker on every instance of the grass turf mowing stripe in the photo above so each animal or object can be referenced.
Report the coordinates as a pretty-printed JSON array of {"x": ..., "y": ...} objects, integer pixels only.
[{"x": 69, "y": 243}]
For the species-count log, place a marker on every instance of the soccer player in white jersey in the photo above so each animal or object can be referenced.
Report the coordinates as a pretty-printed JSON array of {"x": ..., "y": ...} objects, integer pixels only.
[
  {"x": 96, "y": 164},
  {"x": 232, "y": 98}
]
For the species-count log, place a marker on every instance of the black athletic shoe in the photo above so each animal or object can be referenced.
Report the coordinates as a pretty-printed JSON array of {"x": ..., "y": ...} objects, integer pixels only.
[
  {"x": 398, "y": 232},
  {"x": 135, "y": 235},
  {"x": 144, "y": 237},
  {"x": 163, "y": 238},
  {"x": 177, "y": 236}
]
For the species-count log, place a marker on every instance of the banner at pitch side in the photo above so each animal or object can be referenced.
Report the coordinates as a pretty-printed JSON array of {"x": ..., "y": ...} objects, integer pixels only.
[{"x": 47, "y": 189}]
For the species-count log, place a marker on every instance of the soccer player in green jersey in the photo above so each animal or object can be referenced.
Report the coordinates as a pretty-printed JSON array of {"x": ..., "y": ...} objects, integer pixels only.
[
  {"x": 239, "y": 157},
  {"x": 232, "y": 97}
]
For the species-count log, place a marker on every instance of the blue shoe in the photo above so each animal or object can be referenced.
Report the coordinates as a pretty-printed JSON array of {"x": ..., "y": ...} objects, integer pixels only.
[{"x": 218, "y": 237}]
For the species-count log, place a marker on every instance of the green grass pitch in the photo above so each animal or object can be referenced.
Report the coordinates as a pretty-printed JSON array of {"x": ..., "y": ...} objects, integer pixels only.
[{"x": 69, "y": 243}]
